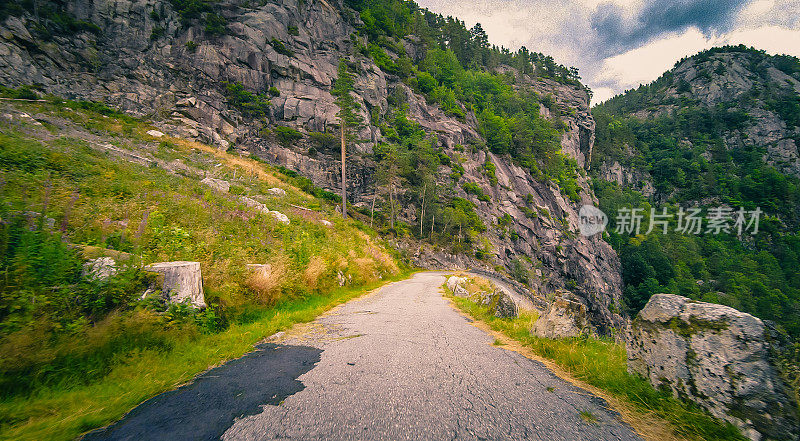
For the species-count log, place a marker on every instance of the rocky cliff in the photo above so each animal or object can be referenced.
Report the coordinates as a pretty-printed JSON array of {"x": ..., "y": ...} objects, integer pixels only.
[
  {"x": 154, "y": 59},
  {"x": 748, "y": 100}
]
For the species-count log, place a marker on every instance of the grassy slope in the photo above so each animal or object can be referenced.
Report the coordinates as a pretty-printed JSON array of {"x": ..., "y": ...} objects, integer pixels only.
[
  {"x": 58, "y": 153},
  {"x": 603, "y": 364},
  {"x": 56, "y": 413}
]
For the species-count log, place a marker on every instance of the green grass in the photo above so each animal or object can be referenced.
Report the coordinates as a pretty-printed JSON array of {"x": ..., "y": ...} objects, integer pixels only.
[
  {"x": 603, "y": 364},
  {"x": 588, "y": 417},
  {"x": 83, "y": 355},
  {"x": 62, "y": 414}
]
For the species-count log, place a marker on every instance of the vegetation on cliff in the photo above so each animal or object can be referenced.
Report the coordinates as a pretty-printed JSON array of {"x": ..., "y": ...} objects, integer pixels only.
[
  {"x": 80, "y": 181},
  {"x": 456, "y": 68},
  {"x": 685, "y": 153}
]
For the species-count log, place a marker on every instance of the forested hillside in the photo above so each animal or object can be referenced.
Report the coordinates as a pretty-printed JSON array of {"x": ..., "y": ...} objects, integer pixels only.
[
  {"x": 465, "y": 153},
  {"x": 720, "y": 129}
]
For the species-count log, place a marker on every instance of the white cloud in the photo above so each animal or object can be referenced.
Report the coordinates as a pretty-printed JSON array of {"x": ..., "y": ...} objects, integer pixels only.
[
  {"x": 773, "y": 39},
  {"x": 646, "y": 63},
  {"x": 563, "y": 30},
  {"x": 602, "y": 93}
]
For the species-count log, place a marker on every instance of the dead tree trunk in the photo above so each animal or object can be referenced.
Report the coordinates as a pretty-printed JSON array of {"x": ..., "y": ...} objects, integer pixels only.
[
  {"x": 391, "y": 203},
  {"x": 344, "y": 176},
  {"x": 422, "y": 209},
  {"x": 372, "y": 212}
]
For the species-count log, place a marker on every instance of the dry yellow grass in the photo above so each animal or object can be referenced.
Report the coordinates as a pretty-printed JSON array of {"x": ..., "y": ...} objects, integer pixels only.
[
  {"x": 365, "y": 269},
  {"x": 266, "y": 283},
  {"x": 315, "y": 269},
  {"x": 248, "y": 165}
]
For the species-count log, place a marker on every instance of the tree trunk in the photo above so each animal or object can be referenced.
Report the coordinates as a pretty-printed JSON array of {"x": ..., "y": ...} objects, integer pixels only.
[
  {"x": 422, "y": 210},
  {"x": 372, "y": 212},
  {"x": 344, "y": 177},
  {"x": 182, "y": 282},
  {"x": 391, "y": 202}
]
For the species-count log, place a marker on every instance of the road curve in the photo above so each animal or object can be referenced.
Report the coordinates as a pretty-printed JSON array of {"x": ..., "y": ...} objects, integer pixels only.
[{"x": 400, "y": 363}]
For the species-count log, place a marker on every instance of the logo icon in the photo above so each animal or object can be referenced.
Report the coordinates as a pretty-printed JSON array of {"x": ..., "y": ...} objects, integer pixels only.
[{"x": 591, "y": 220}]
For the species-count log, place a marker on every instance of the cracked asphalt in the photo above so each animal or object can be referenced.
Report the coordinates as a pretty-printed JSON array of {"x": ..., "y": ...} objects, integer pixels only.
[{"x": 401, "y": 363}]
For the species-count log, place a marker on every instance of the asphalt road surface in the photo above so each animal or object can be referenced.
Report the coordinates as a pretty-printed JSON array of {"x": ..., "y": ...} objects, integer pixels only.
[{"x": 398, "y": 364}]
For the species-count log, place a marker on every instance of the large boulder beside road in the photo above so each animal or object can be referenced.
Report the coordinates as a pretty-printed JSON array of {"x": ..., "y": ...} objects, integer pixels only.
[{"x": 720, "y": 358}]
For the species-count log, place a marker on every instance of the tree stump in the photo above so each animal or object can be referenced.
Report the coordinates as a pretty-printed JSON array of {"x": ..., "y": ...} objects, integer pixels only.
[{"x": 182, "y": 282}]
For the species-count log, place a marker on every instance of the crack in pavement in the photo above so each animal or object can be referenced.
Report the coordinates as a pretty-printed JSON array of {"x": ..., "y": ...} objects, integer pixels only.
[
  {"x": 421, "y": 370},
  {"x": 398, "y": 364}
]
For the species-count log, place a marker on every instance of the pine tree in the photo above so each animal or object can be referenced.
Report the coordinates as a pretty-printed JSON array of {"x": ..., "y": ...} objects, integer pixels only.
[{"x": 348, "y": 118}]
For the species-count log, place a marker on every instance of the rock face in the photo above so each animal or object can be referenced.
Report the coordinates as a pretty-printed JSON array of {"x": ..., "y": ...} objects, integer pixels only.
[
  {"x": 182, "y": 282},
  {"x": 157, "y": 66},
  {"x": 564, "y": 318},
  {"x": 719, "y": 358},
  {"x": 726, "y": 79}
]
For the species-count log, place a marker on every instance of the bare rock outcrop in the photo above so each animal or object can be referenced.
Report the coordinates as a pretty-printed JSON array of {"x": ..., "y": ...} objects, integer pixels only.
[
  {"x": 717, "y": 357},
  {"x": 181, "y": 281},
  {"x": 100, "y": 268},
  {"x": 563, "y": 318}
]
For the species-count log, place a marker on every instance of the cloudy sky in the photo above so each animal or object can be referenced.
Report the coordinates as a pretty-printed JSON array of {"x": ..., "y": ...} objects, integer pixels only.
[{"x": 618, "y": 44}]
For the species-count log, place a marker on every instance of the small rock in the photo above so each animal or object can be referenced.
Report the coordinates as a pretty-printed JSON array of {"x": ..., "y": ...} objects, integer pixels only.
[
  {"x": 455, "y": 281},
  {"x": 262, "y": 269},
  {"x": 504, "y": 305},
  {"x": 563, "y": 318},
  {"x": 460, "y": 291},
  {"x": 217, "y": 184},
  {"x": 275, "y": 191},
  {"x": 282, "y": 218},
  {"x": 327, "y": 223},
  {"x": 100, "y": 269},
  {"x": 187, "y": 102},
  {"x": 254, "y": 204},
  {"x": 155, "y": 133}
]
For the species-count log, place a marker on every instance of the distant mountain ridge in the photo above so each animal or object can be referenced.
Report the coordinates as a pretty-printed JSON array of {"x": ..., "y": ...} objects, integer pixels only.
[{"x": 720, "y": 129}]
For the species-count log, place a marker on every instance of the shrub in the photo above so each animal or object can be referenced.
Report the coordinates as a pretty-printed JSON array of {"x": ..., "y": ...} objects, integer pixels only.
[
  {"x": 191, "y": 46},
  {"x": 250, "y": 104},
  {"x": 518, "y": 271},
  {"x": 23, "y": 93},
  {"x": 474, "y": 189},
  {"x": 281, "y": 48},
  {"x": 273, "y": 91},
  {"x": 489, "y": 169},
  {"x": 425, "y": 82},
  {"x": 157, "y": 33},
  {"x": 293, "y": 30},
  {"x": 287, "y": 135},
  {"x": 325, "y": 141},
  {"x": 216, "y": 24}
]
